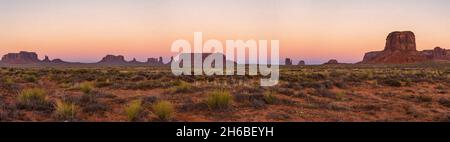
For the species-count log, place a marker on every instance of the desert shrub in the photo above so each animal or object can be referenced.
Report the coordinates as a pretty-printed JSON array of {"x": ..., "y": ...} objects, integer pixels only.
[
  {"x": 440, "y": 87},
  {"x": 182, "y": 87},
  {"x": 392, "y": 82},
  {"x": 33, "y": 99},
  {"x": 163, "y": 109},
  {"x": 151, "y": 84},
  {"x": 7, "y": 81},
  {"x": 219, "y": 100},
  {"x": 150, "y": 100},
  {"x": 270, "y": 98},
  {"x": 253, "y": 100},
  {"x": 424, "y": 98},
  {"x": 94, "y": 108},
  {"x": 413, "y": 111},
  {"x": 86, "y": 87},
  {"x": 340, "y": 84},
  {"x": 101, "y": 84},
  {"x": 30, "y": 78},
  {"x": 134, "y": 110},
  {"x": 323, "y": 92},
  {"x": 9, "y": 84},
  {"x": 445, "y": 102},
  {"x": 65, "y": 110},
  {"x": 340, "y": 96}
]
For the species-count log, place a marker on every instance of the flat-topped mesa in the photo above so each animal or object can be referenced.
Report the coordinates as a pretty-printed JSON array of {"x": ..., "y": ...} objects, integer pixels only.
[
  {"x": 155, "y": 61},
  {"x": 22, "y": 57},
  {"x": 112, "y": 59},
  {"x": 401, "y": 41}
]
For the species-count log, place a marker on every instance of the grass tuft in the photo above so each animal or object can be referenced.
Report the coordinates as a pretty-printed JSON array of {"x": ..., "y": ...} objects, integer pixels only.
[
  {"x": 219, "y": 100},
  {"x": 164, "y": 110},
  {"x": 134, "y": 110}
]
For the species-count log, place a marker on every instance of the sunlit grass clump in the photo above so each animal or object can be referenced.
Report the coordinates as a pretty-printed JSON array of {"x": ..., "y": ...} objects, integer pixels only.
[
  {"x": 65, "y": 110},
  {"x": 34, "y": 98},
  {"x": 86, "y": 87},
  {"x": 182, "y": 87},
  {"x": 164, "y": 110},
  {"x": 219, "y": 100},
  {"x": 134, "y": 110}
]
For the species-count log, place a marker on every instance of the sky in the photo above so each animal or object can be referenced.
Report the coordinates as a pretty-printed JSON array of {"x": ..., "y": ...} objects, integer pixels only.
[{"x": 310, "y": 30}]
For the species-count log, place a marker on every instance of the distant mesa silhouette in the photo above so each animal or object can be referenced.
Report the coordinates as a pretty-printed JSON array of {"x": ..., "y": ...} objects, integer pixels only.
[
  {"x": 31, "y": 59},
  {"x": 22, "y": 57},
  {"x": 401, "y": 48},
  {"x": 203, "y": 57},
  {"x": 113, "y": 59},
  {"x": 301, "y": 63},
  {"x": 331, "y": 62}
]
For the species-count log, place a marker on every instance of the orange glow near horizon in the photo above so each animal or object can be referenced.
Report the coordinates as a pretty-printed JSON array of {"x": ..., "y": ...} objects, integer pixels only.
[{"x": 310, "y": 30}]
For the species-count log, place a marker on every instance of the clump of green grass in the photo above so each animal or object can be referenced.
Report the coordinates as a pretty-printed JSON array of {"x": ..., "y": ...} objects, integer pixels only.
[
  {"x": 163, "y": 109},
  {"x": 34, "y": 98},
  {"x": 65, "y": 110},
  {"x": 86, "y": 87},
  {"x": 134, "y": 110},
  {"x": 219, "y": 100},
  {"x": 270, "y": 98},
  {"x": 182, "y": 87}
]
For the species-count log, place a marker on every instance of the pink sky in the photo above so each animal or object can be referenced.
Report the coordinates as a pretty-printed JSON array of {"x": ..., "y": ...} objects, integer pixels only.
[{"x": 311, "y": 30}]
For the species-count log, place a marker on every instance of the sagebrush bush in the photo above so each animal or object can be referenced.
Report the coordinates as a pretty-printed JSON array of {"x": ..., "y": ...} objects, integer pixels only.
[
  {"x": 270, "y": 98},
  {"x": 34, "y": 98},
  {"x": 134, "y": 110},
  {"x": 219, "y": 100},
  {"x": 65, "y": 110},
  {"x": 392, "y": 82},
  {"x": 86, "y": 87},
  {"x": 163, "y": 109}
]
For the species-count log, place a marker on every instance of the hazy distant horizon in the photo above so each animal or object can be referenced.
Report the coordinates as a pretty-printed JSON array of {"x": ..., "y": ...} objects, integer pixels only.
[{"x": 309, "y": 30}]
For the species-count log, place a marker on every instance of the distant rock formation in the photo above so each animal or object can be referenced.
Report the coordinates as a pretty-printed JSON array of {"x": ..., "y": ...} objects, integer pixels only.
[
  {"x": 301, "y": 63},
  {"x": 152, "y": 61},
  {"x": 332, "y": 61},
  {"x": 113, "y": 59},
  {"x": 22, "y": 57},
  {"x": 288, "y": 61},
  {"x": 155, "y": 61},
  {"x": 401, "y": 41},
  {"x": 46, "y": 60},
  {"x": 30, "y": 59},
  {"x": 58, "y": 61},
  {"x": 160, "y": 61},
  {"x": 203, "y": 57},
  {"x": 401, "y": 48},
  {"x": 437, "y": 53}
]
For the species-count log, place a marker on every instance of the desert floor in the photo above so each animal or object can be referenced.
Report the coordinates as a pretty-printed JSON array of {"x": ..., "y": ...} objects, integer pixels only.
[{"x": 304, "y": 93}]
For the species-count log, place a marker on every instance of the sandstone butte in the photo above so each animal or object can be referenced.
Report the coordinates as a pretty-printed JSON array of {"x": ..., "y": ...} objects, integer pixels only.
[{"x": 401, "y": 48}]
